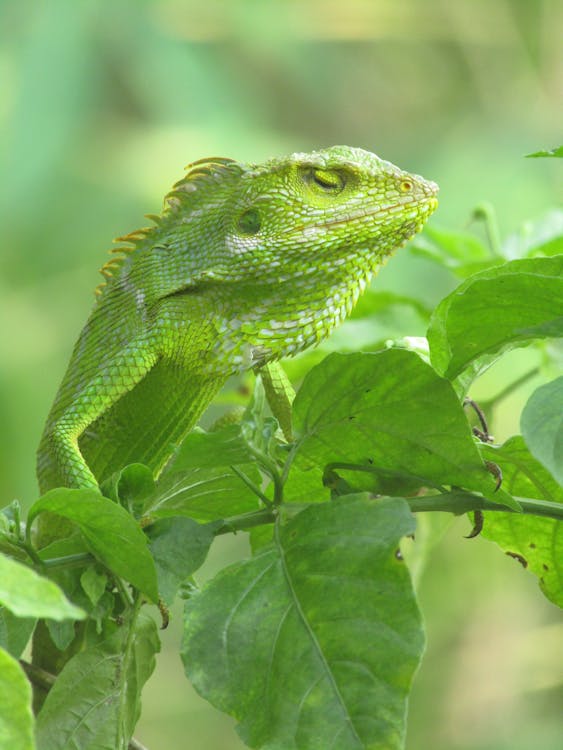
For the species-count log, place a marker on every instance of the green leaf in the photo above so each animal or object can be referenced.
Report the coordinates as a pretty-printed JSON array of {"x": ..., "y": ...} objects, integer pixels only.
[
  {"x": 542, "y": 426},
  {"x": 556, "y": 152},
  {"x": 5, "y": 526},
  {"x": 10, "y": 532},
  {"x": 388, "y": 413},
  {"x": 200, "y": 482},
  {"x": 495, "y": 311},
  {"x": 204, "y": 494},
  {"x": 112, "y": 535},
  {"x": 260, "y": 536},
  {"x": 27, "y": 594},
  {"x": 314, "y": 642},
  {"x": 10, "y": 515},
  {"x": 208, "y": 450},
  {"x": 537, "y": 543},
  {"x": 62, "y": 633},
  {"x": 95, "y": 699},
  {"x": 305, "y": 483},
  {"x": 179, "y": 546},
  {"x": 131, "y": 487},
  {"x": 16, "y": 716},
  {"x": 93, "y": 583},
  {"x": 15, "y": 632},
  {"x": 69, "y": 545}
]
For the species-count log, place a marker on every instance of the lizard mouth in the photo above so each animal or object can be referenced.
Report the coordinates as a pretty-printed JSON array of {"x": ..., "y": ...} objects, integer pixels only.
[{"x": 426, "y": 206}]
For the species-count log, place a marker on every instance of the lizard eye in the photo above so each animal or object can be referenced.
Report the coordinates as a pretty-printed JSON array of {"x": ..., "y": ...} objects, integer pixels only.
[
  {"x": 250, "y": 222},
  {"x": 328, "y": 180},
  {"x": 406, "y": 186}
]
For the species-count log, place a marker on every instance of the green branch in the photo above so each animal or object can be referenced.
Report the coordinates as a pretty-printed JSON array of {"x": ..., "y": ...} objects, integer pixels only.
[
  {"x": 123, "y": 676},
  {"x": 459, "y": 503},
  {"x": 245, "y": 521},
  {"x": 37, "y": 676}
]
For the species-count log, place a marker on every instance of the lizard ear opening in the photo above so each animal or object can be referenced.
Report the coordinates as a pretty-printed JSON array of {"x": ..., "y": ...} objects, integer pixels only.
[{"x": 250, "y": 222}]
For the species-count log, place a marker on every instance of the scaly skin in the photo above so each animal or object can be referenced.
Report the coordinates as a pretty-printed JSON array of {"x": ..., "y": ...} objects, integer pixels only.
[{"x": 246, "y": 264}]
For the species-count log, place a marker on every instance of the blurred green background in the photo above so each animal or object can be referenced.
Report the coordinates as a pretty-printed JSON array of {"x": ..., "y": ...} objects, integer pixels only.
[{"x": 101, "y": 106}]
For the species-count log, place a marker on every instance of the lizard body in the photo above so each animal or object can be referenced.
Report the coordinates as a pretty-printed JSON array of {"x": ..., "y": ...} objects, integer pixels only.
[{"x": 246, "y": 264}]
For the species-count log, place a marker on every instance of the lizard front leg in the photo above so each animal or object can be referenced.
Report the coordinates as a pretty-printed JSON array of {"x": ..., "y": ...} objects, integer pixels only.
[{"x": 117, "y": 377}]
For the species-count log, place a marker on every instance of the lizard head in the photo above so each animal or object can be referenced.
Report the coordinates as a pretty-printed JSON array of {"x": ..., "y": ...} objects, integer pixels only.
[
  {"x": 322, "y": 208},
  {"x": 314, "y": 221}
]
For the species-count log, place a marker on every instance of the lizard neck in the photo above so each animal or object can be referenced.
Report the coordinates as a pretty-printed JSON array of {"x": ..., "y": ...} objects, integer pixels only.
[{"x": 285, "y": 316}]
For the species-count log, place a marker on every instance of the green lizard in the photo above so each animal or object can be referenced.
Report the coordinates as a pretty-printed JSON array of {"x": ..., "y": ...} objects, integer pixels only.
[{"x": 246, "y": 264}]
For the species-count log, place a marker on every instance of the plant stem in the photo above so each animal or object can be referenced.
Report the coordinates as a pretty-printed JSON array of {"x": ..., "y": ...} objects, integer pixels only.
[
  {"x": 131, "y": 624},
  {"x": 251, "y": 486},
  {"x": 38, "y": 676},
  {"x": 123, "y": 592},
  {"x": 486, "y": 213},
  {"x": 271, "y": 469},
  {"x": 245, "y": 521},
  {"x": 459, "y": 503},
  {"x": 69, "y": 561}
]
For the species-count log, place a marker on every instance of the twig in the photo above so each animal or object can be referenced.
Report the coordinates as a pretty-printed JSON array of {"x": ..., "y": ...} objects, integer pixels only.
[{"x": 38, "y": 676}]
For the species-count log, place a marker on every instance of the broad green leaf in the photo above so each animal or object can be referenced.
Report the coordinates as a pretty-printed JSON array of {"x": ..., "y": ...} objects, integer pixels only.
[
  {"x": 260, "y": 536},
  {"x": 69, "y": 545},
  {"x": 556, "y": 152},
  {"x": 305, "y": 483},
  {"x": 208, "y": 450},
  {"x": 204, "y": 494},
  {"x": 10, "y": 531},
  {"x": 27, "y": 594},
  {"x": 314, "y": 642},
  {"x": 131, "y": 487},
  {"x": 16, "y": 716},
  {"x": 542, "y": 426},
  {"x": 15, "y": 632},
  {"x": 95, "y": 699},
  {"x": 146, "y": 645},
  {"x": 536, "y": 542},
  {"x": 179, "y": 546},
  {"x": 10, "y": 515},
  {"x": 389, "y": 413},
  {"x": 93, "y": 583},
  {"x": 494, "y": 311},
  {"x": 62, "y": 633},
  {"x": 112, "y": 535}
]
